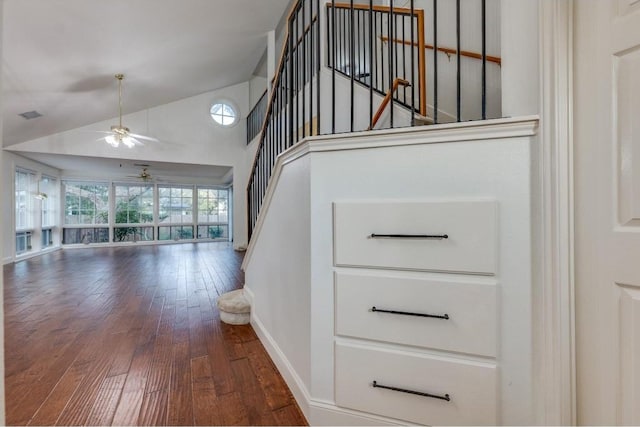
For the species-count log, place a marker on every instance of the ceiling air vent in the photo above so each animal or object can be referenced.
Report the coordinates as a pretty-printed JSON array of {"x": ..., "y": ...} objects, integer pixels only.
[{"x": 30, "y": 115}]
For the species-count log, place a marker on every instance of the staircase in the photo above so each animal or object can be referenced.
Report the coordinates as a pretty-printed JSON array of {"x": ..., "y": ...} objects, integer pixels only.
[{"x": 356, "y": 66}]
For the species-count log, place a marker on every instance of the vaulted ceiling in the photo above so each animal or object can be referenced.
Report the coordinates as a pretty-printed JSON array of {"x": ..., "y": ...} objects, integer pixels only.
[{"x": 60, "y": 56}]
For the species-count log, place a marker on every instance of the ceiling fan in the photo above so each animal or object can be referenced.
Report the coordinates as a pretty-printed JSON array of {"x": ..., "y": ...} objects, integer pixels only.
[
  {"x": 143, "y": 175},
  {"x": 120, "y": 134}
]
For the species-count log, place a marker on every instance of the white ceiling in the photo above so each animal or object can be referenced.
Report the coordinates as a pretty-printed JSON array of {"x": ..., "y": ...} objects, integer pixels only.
[{"x": 60, "y": 56}]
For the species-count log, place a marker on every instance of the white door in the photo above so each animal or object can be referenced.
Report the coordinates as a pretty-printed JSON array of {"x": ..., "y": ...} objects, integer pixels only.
[{"x": 607, "y": 210}]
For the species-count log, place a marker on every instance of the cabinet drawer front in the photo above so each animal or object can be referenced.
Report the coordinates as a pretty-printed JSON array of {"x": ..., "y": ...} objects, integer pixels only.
[
  {"x": 412, "y": 235},
  {"x": 470, "y": 386},
  {"x": 464, "y": 313}
]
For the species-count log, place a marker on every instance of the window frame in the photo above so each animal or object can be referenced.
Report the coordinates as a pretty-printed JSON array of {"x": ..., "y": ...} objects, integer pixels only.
[
  {"x": 208, "y": 223},
  {"x": 27, "y": 235},
  {"x": 29, "y": 223},
  {"x": 93, "y": 224},
  {"x": 48, "y": 206},
  {"x": 173, "y": 225},
  {"x": 90, "y": 228},
  {"x": 135, "y": 231},
  {"x": 172, "y": 187},
  {"x": 225, "y": 103},
  {"x": 154, "y": 231}
]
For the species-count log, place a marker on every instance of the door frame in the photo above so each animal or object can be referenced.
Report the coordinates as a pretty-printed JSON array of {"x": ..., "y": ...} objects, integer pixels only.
[{"x": 555, "y": 334}]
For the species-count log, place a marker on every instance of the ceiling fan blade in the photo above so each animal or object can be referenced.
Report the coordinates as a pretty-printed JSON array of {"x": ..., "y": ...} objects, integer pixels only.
[
  {"x": 108, "y": 140},
  {"x": 146, "y": 138},
  {"x": 98, "y": 131},
  {"x": 130, "y": 141}
]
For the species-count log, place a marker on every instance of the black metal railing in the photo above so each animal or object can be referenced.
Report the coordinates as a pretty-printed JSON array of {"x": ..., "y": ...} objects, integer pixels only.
[
  {"x": 293, "y": 110},
  {"x": 374, "y": 45},
  {"x": 359, "y": 47},
  {"x": 255, "y": 119},
  {"x": 456, "y": 91},
  {"x": 370, "y": 51}
]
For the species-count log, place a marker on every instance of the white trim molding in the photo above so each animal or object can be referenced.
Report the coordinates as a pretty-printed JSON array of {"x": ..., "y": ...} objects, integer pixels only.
[
  {"x": 556, "y": 338},
  {"x": 436, "y": 134}
]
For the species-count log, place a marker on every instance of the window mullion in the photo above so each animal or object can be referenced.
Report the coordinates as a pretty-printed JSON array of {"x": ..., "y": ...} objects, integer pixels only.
[
  {"x": 112, "y": 211},
  {"x": 156, "y": 212}
]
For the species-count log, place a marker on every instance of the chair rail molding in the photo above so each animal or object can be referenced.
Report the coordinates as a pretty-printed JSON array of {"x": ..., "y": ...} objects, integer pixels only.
[{"x": 556, "y": 337}]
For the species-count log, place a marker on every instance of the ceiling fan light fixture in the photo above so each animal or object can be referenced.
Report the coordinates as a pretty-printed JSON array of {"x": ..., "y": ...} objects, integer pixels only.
[
  {"x": 112, "y": 141},
  {"x": 120, "y": 130},
  {"x": 121, "y": 134},
  {"x": 39, "y": 195},
  {"x": 128, "y": 141}
]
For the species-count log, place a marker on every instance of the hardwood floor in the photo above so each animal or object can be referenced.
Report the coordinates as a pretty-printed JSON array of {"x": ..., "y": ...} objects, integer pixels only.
[{"x": 132, "y": 336}]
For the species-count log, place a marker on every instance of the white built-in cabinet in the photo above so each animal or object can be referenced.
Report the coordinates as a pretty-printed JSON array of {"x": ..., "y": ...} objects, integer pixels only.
[{"x": 418, "y": 348}]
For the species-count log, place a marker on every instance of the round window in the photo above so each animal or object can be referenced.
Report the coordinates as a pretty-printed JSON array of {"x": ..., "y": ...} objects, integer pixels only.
[{"x": 224, "y": 114}]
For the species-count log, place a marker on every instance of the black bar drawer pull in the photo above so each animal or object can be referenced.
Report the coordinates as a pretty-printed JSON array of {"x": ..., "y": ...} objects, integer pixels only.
[
  {"x": 418, "y": 393},
  {"x": 409, "y": 236},
  {"x": 408, "y": 313}
]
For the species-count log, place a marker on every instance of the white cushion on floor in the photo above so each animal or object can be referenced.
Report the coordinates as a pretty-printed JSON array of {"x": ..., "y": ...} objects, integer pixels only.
[
  {"x": 235, "y": 318},
  {"x": 234, "y": 302},
  {"x": 234, "y": 308}
]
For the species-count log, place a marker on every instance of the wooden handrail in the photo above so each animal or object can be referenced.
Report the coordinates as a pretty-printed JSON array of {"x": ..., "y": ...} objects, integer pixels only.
[
  {"x": 422, "y": 67},
  {"x": 400, "y": 10},
  {"x": 419, "y": 14},
  {"x": 449, "y": 51},
  {"x": 267, "y": 113},
  {"x": 397, "y": 82}
]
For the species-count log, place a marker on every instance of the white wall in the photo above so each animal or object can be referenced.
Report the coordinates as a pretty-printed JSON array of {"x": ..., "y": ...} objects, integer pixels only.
[
  {"x": 10, "y": 162},
  {"x": 257, "y": 86},
  {"x": 187, "y": 133},
  {"x": 520, "y": 57},
  {"x": 281, "y": 268}
]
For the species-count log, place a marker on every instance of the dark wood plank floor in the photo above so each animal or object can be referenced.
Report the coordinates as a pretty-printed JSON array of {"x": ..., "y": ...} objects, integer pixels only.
[{"x": 132, "y": 336}]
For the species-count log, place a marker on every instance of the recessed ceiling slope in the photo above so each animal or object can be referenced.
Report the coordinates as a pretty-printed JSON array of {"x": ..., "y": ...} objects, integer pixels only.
[{"x": 59, "y": 56}]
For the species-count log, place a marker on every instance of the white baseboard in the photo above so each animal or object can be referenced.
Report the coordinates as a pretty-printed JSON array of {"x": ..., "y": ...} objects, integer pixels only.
[
  {"x": 317, "y": 412},
  {"x": 291, "y": 377},
  {"x": 29, "y": 255},
  {"x": 241, "y": 247},
  {"x": 327, "y": 414}
]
